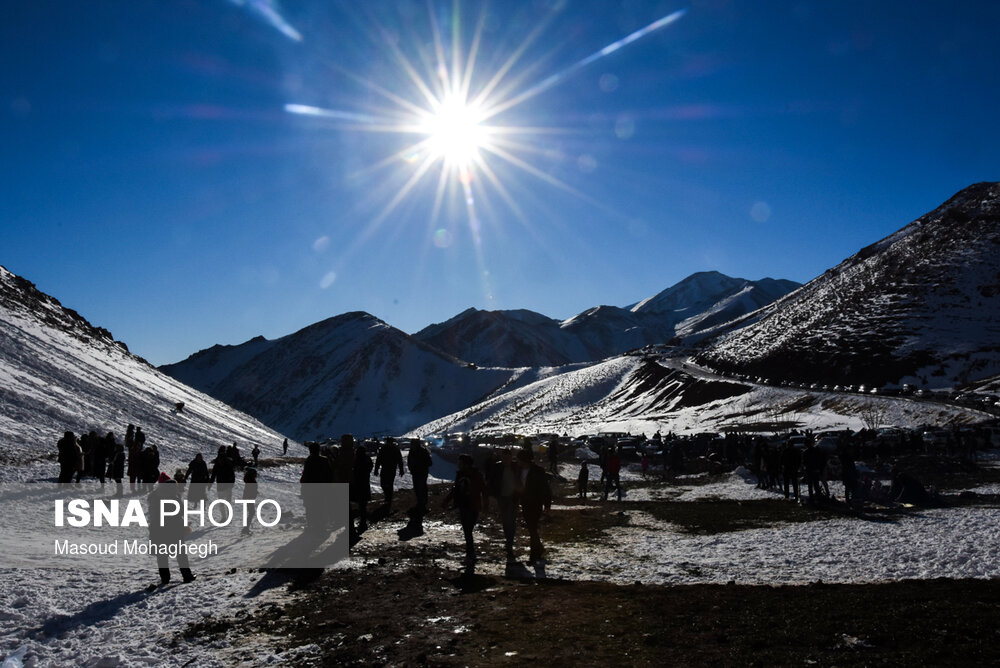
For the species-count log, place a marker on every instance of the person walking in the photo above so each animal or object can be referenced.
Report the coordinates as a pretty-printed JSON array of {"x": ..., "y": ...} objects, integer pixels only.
[
  {"x": 387, "y": 462},
  {"x": 418, "y": 460},
  {"x": 582, "y": 480},
  {"x": 198, "y": 477},
  {"x": 116, "y": 468},
  {"x": 361, "y": 486},
  {"x": 223, "y": 474},
  {"x": 503, "y": 480},
  {"x": 249, "y": 494},
  {"x": 535, "y": 499},
  {"x": 168, "y": 530},
  {"x": 66, "y": 449},
  {"x": 468, "y": 495}
]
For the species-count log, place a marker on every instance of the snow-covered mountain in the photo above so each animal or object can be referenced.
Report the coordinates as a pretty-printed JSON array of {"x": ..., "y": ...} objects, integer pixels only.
[
  {"x": 519, "y": 338},
  {"x": 60, "y": 373},
  {"x": 525, "y": 338},
  {"x": 350, "y": 373},
  {"x": 708, "y": 298},
  {"x": 920, "y": 306}
]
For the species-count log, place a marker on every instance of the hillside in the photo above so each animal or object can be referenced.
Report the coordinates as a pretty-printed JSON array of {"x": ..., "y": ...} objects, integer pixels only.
[
  {"x": 921, "y": 306},
  {"x": 58, "y": 372},
  {"x": 350, "y": 373}
]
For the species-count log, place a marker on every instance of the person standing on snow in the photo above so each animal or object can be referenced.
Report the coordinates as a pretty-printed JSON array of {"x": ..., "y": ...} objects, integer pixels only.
[
  {"x": 503, "y": 481},
  {"x": 418, "y": 460},
  {"x": 66, "y": 447},
  {"x": 612, "y": 473},
  {"x": 469, "y": 496},
  {"x": 197, "y": 475},
  {"x": 223, "y": 474},
  {"x": 166, "y": 529},
  {"x": 116, "y": 468},
  {"x": 537, "y": 495},
  {"x": 361, "y": 486},
  {"x": 387, "y": 462}
]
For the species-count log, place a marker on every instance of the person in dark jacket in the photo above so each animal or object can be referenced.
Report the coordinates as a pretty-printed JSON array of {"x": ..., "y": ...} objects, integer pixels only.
[
  {"x": 66, "y": 448},
  {"x": 223, "y": 474},
  {"x": 537, "y": 495},
  {"x": 343, "y": 462},
  {"x": 116, "y": 468},
  {"x": 612, "y": 473},
  {"x": 582, "y": 480},
  {"x": 791, "y": 461},
  {"x": 103, "y": 449},
  {"x": 198, "y": 477},
  {"x": 149, "y": 467},
  {"x": 361, "y": 486},
  {"x": 249, "y": 494},
  {"x": 388, "y": 461},
  {"x": 848, "y": 473},
  {"x": 315, "y": 469},
  {"x": 468, "y": 495},
  {"x": 418, "y": 460},
  {"x": 503, "y": 482},
  {"x": 165, "y": 529}
]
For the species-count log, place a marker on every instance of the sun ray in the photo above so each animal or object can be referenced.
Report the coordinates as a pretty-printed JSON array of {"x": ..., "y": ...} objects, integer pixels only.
[
  {"x": 559, "y": 77},
  {"x": 447, "y": 107}
]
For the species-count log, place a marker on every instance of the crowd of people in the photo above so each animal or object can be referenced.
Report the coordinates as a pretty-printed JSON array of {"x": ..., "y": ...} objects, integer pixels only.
[{"x": 507, "y": 476}]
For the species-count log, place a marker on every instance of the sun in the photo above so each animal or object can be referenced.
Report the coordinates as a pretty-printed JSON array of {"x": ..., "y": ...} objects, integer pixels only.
[{"x": 455, "y": 132}]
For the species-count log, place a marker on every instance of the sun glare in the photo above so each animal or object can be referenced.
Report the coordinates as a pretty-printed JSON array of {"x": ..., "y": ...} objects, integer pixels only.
[
  {"x": 454, "y": 132},
  {"x": 453, "y": 111}
]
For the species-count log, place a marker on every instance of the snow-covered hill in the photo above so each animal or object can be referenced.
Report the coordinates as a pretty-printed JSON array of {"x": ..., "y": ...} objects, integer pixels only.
[
  {"x": 527, "y": 339},
  {"x": 645, "y": 393},
  {"x": 920, "y": 306},
  {"x": 59, "y": 373},
  {"x": 351, "y": 373}
]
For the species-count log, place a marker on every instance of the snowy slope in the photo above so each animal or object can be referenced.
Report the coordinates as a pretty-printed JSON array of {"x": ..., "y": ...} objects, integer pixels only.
[
  {"x": 349, "y": 374},
  {"x": 59, "y": 373},
  {"x": 921, "y": 306},
  {"x": 646, "y": 393}
]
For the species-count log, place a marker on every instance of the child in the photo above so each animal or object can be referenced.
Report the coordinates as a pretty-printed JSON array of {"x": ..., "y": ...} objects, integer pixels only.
[{"x": 582, "y": 480}]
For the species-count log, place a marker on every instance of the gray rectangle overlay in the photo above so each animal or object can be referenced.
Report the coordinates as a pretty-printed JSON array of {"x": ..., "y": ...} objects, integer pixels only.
[{"x": 216, "y": 527}]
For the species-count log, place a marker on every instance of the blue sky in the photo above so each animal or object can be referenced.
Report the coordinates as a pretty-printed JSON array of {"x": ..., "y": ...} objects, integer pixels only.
[{"x": 155, "y": 181}]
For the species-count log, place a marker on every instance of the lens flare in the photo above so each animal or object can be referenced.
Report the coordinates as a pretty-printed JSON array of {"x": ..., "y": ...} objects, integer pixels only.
[{"x": 455, "y": 134}]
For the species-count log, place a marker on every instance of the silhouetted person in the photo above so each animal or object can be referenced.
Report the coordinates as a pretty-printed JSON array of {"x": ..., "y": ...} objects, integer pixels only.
[
  {"x": 468, "y": 495},
  {"x": 536, "y": 497},
  {"x": 284, "y": 447},
  {"x": 388, "y": 461},
  {"x": 166, "y": 530},
  {"x": 612, "y": 473},
  {"x": 315, "y": 469},
  {"x": 791, "y": 461},
  {"x": 66, "y": 449},
  {"x": 198, "y": 477},
  {"x": 553, "y": 456},
  {"x": 418, "y": 460},
  {"x": 361, "y": 485},
  {"x": 223, "y": 474},
  {"x": 503, "y": 482},
  {"x": 116, "y": 468},
  {"x": 249, "y": 494},
  {"x": 582, "y": 480}
]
